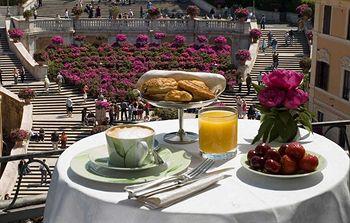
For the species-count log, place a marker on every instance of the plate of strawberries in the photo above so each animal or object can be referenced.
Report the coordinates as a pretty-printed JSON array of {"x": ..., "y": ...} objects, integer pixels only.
[{"x": 290, "y": 160}]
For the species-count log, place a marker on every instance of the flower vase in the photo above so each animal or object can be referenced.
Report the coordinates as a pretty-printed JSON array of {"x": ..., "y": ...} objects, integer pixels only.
[
  {"x": 27, "y": 101},
  {"x": 19, "y": 143}
]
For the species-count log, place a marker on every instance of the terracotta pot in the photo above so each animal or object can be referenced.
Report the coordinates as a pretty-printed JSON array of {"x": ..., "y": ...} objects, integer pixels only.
[{"x": 27, "y": 101}]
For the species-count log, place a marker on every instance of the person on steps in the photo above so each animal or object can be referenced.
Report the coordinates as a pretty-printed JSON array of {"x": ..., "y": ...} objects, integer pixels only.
[
  {"x": 55, "y": 138},
  {"x": 64, "y": 139},
  {"x": 248, "y": 82},
  {"x": 83, "y": 116},
  {"x": 41, "y": 134},
  {"x": 69, "y": 107},
  {"x": 47, "y": 84},
  {"x": 22, "y": 73},
  {"x": 60, "y": 80},
  {"x": 43, "y": 173},
  {"x": 262, "y": 22},
  {"x": 15, "y": 75}
]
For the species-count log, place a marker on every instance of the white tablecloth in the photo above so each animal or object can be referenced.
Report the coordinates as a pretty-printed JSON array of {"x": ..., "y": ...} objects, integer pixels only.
[{"x": 244, "y": 197}]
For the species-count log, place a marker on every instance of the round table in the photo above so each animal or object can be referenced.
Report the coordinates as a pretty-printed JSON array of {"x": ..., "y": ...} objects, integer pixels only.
[{"x": 242, "y": 197}]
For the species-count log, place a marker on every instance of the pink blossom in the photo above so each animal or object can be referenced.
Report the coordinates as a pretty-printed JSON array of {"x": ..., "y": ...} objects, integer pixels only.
[
  {"x": 202, "y": 39},
  {"x": 270, "y": 97},
  {"x": 120, "y": 37},
  {"x": 159, "y": 35},
  {"x": 295, "y": 98},
  {"x": 57, "y": 40},
  {"x": 243, "y": 55},
  {"x": 220, "y": 40},
  {"x": 283, "y": 79}
]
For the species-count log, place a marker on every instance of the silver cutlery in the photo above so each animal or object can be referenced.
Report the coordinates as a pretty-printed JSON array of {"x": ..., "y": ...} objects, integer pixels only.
[{"x": 170, "y": 182}]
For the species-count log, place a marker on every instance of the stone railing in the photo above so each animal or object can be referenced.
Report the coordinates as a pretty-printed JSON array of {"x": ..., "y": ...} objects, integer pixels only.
[
  {"x": 26, "y": 59},
  {"x": 132, "y": 25},
  {"x": 17, "y": 115}
]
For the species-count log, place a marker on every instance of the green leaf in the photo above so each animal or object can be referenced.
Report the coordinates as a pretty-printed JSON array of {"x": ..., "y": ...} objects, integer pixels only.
[
  {"x": 285, "y": 116},
  {"x": 305, "y": 120},
  {"x": 257, "y": 88},
  {"x": 267, "y": 123}
]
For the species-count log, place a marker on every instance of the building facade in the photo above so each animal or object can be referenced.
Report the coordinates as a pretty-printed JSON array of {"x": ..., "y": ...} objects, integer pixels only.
[{"x": 330, "y": 76}]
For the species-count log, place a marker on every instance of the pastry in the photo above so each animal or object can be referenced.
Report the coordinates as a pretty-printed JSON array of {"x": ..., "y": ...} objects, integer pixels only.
[
  {"x": 158, "y": 86},
  {"x": 156, "y": 97},
  {"x": 200, "y": 84},
  {"x": 197, "y": 90},
  {"x": 179, "y": 96}
]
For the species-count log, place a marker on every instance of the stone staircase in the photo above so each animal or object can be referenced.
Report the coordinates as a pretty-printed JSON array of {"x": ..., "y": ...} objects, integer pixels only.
[
  {"x": 49, "y": 112},
  {"x": 289, "y": 57},
  {"x": 52, "y": 7}
]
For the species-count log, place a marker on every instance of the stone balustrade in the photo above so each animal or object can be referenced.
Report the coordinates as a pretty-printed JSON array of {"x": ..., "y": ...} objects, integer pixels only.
[{"x": 169, "y": 26}]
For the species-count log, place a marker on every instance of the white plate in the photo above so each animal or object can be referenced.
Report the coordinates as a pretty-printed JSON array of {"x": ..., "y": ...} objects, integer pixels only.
[{"x": 322, "y": 163}]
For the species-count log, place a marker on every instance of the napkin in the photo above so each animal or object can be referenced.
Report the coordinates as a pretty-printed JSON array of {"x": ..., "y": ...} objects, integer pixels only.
[{"x": 167, "y": 198}]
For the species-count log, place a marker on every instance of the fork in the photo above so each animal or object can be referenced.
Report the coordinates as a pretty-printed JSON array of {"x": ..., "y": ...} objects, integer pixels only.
[{"x": 138, "y": 190}]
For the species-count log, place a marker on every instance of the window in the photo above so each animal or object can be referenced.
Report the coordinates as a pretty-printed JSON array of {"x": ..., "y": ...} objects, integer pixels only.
[
  {"x": 319, "y": 116},
  {"x": 327, "y": 14},
  {"x": 348, "y": 37},
  {"x": 346, "y": 85},
  {"x": 322, "y": 73}
]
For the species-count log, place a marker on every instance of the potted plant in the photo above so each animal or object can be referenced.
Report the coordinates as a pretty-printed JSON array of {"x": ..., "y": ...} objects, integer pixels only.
[
  {"x": 77, "y": 11},
  {"x": 101, "y": 108},
  {"x": 282, "y": 105},
  {"x": 153, "y": 12},
  {"x": 27, "y": 94},
  {"x": 304, "y": 11},
  {"x": 305, "y": 64},
  {"x": 18, "y": 136},
  {"x": 57, "y": 40},
  {"x": 242, "y": 56},
  {"x": 27, "y": 14},
  {"x": 255, "y": 34},
  {"x": 40, "y": 57},
  {"x": 115, "y": 12},
  {"x": 16, "y": 34},
  {"x": 192, "y": 11},
  {"x": 242, "y": 14}
]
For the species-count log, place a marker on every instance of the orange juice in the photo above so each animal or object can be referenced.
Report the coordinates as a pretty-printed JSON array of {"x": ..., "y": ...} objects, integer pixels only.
[{"x": 218, "y": 131}]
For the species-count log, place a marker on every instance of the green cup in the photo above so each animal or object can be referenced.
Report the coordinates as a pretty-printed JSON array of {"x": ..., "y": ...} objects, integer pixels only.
[{"x": 129, "y": 145}]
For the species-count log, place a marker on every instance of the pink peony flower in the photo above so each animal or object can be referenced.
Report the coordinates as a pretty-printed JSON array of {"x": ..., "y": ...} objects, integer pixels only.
[
  {"x": 283, "y": 79},
  {"x": 295, "y": 98},
  {"x": 57, "y": 40},
  {"x": 271, "y": 97},
  {"x": 16, "y": 33}
]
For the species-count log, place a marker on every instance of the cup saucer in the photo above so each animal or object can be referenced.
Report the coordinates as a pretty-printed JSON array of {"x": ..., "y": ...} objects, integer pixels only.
[
  {"x": 99, "y": 161},
  {"x": 175, "y": 162}
]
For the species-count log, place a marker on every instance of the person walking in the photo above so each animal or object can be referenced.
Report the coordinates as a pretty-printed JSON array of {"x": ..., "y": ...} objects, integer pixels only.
[
  {"x": 22, "y": 73},
  {"x": 116, "y": 111},
  {"x": 274, "y": 44},
  {"x": 83, "y": 116},
  {"x": 140, "y": 108},
  {"x": 147, "y": 108},
  {"x": 111, "y": 115},
  {"x": 124, "y": 107},
  {"x": 60, "y": 80},
  {"x": 291, "y": 37},
  {"x": 262, "y": 22},
  {"x": 55, "y": 138},
  {"x": 35, "y": 14},
  {"x": 263, "y": 45},
  {"x": 0, "y": 76},
  {"x": 239, "y": 83},
  {"x": 212, "y": 13},
  {"x": 244, "y": 109},
  {"x": 251, "y": 112},
  {"x": 248, "y": 82},
  {"x": 259, "y": 77},
  {"x": 275, "y": 60},
  {"x": 98, "y": 12},
  {"x": 43, "y": 173},
  {"x": 269, "y": 38},
  {"x": 239, "y": 106},
  {"x": 130, "y": 111},
  {"x": 149, "y": 4},
  {"x": 23, "y": 168},
  {"x": 66, "y": 14},
  {"x": 15, "y": 75},
  {"x": 69, "y": 107},
  {"x": 47, "y": 84},
  {"x": 64, "y": 139},
  {"x": 134, "y": 111},
  {"x": 286, "y": 38},
  {"x": 40, "y": 3},
  {"x": 41, "y": 134}
]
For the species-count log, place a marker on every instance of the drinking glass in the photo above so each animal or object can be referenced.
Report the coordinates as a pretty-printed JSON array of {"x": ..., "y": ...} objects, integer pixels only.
[{"x": 218, "y": 132}]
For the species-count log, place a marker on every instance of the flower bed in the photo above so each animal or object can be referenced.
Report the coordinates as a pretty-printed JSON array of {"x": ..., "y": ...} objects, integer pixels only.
[
  {"x": 57, "y": 40},
  {"x": 16, "y": 34},
  {"x": 115, "y": 70}
]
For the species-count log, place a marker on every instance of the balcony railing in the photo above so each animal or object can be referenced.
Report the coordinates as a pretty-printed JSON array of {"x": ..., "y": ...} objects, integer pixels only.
[
  {"x": 28, "y": 207},
  {"x": 132, "y": 25}
]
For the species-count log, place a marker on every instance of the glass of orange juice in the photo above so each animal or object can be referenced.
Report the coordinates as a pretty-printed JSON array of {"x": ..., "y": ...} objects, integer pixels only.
[{"x": 218, "y": 132}]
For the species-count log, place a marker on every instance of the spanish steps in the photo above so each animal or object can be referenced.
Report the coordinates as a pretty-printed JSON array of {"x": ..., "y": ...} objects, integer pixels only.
[
  {"x": 49, "y": 112},
  {"x": 289, "y": 57},
  {"x": 49, "y": 109}
]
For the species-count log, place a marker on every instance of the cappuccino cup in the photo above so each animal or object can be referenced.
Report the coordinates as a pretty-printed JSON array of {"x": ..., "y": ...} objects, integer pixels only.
[{"x": 129, "y": 145}]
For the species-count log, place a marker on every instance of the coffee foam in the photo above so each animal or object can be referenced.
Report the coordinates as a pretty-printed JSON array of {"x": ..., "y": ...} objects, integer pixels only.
[{"x": 133, "y": 132}]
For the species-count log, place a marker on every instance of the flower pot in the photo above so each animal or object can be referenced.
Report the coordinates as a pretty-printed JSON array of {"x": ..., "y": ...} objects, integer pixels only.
[
  {"x": 27, "y": 101},
  {"x": 19, "y": 143},
  {"x": 255, "y": 40}
]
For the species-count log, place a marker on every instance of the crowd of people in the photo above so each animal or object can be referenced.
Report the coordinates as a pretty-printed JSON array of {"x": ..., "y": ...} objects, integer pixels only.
[{"x": 56, "y": 139}]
